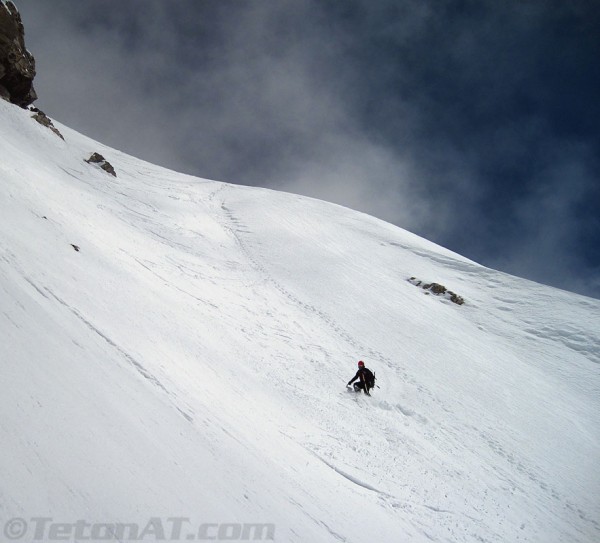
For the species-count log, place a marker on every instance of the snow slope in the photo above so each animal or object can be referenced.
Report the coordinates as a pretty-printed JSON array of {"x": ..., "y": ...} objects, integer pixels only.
[{"x": 190, "y": 360}]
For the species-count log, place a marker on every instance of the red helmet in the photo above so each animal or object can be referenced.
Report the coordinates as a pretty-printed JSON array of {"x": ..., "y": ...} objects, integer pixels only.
[{"x": 361, "y": 364}]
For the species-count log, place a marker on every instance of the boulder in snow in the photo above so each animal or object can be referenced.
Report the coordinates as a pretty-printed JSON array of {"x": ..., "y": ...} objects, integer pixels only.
[
  {"x": 439, "y": 290},
  {"x": 97, "y": 158},
  {"x": 44, "y": 120}
]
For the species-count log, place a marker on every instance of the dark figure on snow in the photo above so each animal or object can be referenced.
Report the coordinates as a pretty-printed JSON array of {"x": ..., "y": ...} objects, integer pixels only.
[{"x": 366, "y": 379}]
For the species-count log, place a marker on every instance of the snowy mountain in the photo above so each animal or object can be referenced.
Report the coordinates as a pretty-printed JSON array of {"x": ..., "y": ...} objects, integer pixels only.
[{"x": 174, "y": 347}]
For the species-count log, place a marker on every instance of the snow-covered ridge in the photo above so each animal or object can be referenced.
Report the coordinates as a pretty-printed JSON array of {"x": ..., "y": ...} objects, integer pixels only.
[{"x": 190, "y": 361}]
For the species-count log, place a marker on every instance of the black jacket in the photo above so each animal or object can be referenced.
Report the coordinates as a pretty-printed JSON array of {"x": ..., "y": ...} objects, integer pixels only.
[{"x": 365, "y": 375}]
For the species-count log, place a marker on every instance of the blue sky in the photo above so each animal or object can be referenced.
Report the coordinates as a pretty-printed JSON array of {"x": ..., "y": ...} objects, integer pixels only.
[{"x": 474, "y": 124}]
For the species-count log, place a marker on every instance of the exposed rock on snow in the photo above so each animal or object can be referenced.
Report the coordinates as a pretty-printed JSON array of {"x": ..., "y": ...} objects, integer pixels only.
[
  {"x": 44, "y": 120},
  {"x": 17, "y": 65},
  {"x": 439, "y": 290},
  {"x": 97, "y": 158}
]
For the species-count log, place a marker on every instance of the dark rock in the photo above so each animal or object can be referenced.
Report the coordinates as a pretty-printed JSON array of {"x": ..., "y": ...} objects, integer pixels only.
[
  {"x": 107, "y": 167},
  {"x": 44, "y": 120},
  {"x": 4, "y": 94},
  {"x": 457, "y": 299},
  {"x": 438, "y": 290},
  {"x": 76, "y": 247},
  {"x": 17, "y": 65},
  {"x": 97, "y": 158}
]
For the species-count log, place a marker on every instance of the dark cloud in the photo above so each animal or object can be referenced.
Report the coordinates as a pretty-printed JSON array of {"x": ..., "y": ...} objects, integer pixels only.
[{"x": 471, "y": 123}]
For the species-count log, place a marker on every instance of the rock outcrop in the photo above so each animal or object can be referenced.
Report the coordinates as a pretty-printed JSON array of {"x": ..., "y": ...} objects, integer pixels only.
[
  {"x": 44, "y": 120},
  {"x": 17, "y": 65},
  {"x": 97, "y": 158},
  {"x": 438, "y": 290}
]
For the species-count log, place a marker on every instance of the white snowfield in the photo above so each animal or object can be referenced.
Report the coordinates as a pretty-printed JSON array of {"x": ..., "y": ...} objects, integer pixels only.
[{"x": 190, "y": 361}]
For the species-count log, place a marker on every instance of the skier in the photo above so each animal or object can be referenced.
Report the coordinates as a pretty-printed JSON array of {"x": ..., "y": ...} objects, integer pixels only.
[{"x": 366, "y": 379}]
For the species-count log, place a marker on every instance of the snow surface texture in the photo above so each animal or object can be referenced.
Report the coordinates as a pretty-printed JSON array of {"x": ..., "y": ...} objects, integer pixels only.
[{"x": 190, "y": 360}]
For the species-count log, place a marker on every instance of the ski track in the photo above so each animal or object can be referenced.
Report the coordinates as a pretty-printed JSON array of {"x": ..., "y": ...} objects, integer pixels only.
[
  {"x": 138, "y": 366},
  {"x": 237, "y": 229},
  {"x": 49, "y": 295}
]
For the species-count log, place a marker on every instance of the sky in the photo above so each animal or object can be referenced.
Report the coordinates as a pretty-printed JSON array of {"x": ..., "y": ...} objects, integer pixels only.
[{"x": 474, "y": 124}]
